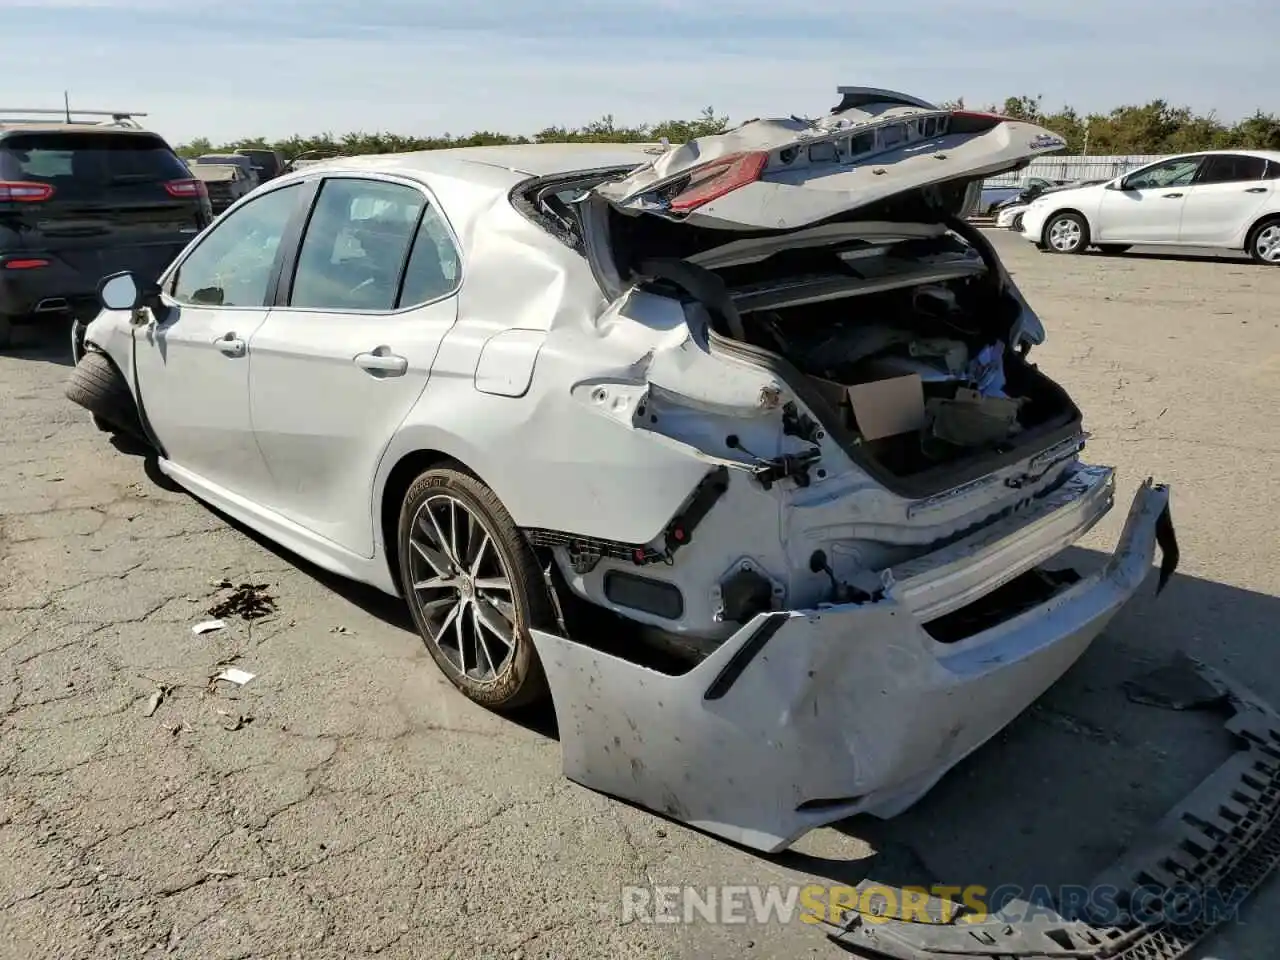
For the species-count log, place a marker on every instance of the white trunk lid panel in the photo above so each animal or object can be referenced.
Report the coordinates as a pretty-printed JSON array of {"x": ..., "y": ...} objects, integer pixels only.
[{"x": 785, "y": 174}]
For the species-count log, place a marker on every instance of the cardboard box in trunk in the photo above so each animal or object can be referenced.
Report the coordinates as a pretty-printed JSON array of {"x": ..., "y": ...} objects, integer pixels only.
[{"x": 878, "y": 408}]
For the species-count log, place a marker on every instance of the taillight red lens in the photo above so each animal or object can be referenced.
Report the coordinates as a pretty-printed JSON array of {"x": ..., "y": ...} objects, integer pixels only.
[
  {"x": 713, "y": 180},
  {"x": 22, "y": 191},
  {"x": 187, "y": 189},
  {"x": 25, "y": 264}
]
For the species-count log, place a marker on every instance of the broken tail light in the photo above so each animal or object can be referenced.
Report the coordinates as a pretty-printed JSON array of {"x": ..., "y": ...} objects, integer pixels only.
[
  {"x": 713, "y": 180},
  {"x": 22, "y": 191},
  {"x": 186, "y": 189}
]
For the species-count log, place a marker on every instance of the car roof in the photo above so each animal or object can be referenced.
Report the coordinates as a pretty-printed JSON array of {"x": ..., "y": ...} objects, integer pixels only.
[
  {"x": 36, "y": 126},
  {"x": 519, "y": 160}
]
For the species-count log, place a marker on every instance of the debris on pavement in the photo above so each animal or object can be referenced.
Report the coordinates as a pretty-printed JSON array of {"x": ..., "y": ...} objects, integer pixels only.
[
  {"x": 233, "y": 722},
  {"x": 157, "y": 698},
  {"x": 235, "y": 675},
  {"x": 249, "y": 601},
  {"x": 1177, "y": 685},
  {"x": 209, "y": 626}
]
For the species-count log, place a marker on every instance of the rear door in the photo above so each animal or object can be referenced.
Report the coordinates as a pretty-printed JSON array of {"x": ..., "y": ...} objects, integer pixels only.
[
  {"x": 121, "y": 200},
  {"x": 347, "y": 350},
  {"x": 1149, "y": 208},
  {"x": 1229, "y": 192}
]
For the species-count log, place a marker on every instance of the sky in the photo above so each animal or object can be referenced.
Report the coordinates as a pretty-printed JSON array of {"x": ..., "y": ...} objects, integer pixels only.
[{"x": 226, "y": 69}]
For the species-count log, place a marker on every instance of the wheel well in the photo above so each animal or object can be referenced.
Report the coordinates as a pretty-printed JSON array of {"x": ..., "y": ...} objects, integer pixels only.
[
  {"x": 1265, "y": 218},
  {"x": 402, "y": 475},
  {"x": 1059, "y": 212}
]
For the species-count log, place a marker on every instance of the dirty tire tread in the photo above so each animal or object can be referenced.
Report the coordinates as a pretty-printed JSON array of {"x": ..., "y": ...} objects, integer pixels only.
[
  {"x": 525, "y": 682},
  {"x": 100, "y": 389},
  {"x": 1252, "y": 243}
]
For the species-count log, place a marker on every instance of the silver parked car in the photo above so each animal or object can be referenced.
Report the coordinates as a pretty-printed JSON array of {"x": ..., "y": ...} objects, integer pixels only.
[{"x": 733, "y": 448}]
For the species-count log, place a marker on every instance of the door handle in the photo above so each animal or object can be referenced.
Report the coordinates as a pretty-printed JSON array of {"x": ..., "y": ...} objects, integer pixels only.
[
  {"x": 1172, "y": 196},
  {"x": 1255, "y": 190},
  {"x": 230, "y": 344},
  {"x": 385, "y": 363}
]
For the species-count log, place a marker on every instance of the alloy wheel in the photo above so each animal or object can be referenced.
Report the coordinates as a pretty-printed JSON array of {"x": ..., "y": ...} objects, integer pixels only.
[
  {"x": 462, "y": 588},
  {"x": 1065, "y": 235},
  {"x": 1267, "y": 244}
]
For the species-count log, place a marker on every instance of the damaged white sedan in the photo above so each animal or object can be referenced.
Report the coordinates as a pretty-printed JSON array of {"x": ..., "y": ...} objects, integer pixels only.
[{"x": 732, "y": 448}]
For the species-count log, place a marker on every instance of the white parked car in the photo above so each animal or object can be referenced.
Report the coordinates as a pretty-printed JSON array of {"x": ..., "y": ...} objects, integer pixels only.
[
  {"x": 1218, "y": 198},
  {"x": 734, "y": 446}
]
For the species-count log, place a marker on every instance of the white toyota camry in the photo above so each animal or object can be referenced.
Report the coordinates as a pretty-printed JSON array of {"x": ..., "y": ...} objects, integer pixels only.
[
  {"x": 734, "y": 448},
  {"x": 1226, "y": 198}
]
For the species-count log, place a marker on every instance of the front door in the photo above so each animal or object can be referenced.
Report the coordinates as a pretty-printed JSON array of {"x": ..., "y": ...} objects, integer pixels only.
[
  {"x": 193, "y": 354},
  {"x": 1149, "y": 207},
  {"x": 346, "y": 353},
  {"x": 1225, "y": 198}
]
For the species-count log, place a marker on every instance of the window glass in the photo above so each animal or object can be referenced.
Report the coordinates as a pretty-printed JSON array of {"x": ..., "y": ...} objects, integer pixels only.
[
  {"x": 233, "y": 265},
  {"x": 355, "y": 245},
  {"x": 433, "y": 265},
  {"x": 1232, "y": 168},
  {"x": 87, "y": 165},
  {"x": 1171, "y": 173}
]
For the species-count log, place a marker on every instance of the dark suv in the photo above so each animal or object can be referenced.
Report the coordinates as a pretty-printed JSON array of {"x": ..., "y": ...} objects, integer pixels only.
[{"x": 79, "y": 201}]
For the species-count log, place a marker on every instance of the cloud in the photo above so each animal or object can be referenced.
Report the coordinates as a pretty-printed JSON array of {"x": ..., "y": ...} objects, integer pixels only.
[{"x": 274, "y": 67}]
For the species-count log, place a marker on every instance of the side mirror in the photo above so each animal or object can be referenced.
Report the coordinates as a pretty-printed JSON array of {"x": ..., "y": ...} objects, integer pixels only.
[
  {"x": 120, "y": 292},
  {"x": 1118, "y": 185}
]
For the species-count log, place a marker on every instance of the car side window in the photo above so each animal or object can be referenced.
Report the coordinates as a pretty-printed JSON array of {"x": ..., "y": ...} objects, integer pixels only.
[
  {"x": 1233, "y": 168},
  {"x": 354, "y": 249},
  {"x": 433, "y": 267},
  {"x": 1171, "y": 173},
  {"x": 233, "y": 265}
]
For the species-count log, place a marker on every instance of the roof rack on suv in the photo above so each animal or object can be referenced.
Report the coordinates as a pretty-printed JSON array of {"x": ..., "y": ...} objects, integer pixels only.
[{"x": 118, "y": 118}]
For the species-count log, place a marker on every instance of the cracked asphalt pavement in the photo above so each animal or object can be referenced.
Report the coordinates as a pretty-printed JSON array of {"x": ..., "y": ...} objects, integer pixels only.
[{"x": 347, "y": 802}]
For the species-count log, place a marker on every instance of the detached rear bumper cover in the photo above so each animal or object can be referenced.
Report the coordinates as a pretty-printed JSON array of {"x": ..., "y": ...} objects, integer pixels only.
[
  {"x": 805, "y": 717},
  {"x": 1215, "y": 846}
]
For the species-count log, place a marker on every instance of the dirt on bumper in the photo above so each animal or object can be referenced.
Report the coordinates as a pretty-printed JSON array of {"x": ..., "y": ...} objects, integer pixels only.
[{"x": 805, "y": 717}]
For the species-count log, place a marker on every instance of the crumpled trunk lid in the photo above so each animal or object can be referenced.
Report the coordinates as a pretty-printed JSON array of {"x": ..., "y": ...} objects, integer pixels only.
[{"x": 790, "y": 173}]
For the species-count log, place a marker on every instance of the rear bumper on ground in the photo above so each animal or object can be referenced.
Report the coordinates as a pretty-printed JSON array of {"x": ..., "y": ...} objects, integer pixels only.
[{"x": 805, "y": 717}]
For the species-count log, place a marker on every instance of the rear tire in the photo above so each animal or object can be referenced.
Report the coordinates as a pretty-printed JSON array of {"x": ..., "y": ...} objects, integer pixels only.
[
  {"x": 474, "y": 587},
  {"x": 6, "y": 332},
  {"x": 1113, "y": 249},
  {"x": 1065, "y": 233},
  {"x": 98, "y": 386},
  {"x": 1264, "y": 242}
]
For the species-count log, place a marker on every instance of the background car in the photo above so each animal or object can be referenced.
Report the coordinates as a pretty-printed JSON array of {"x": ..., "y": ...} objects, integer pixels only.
[
  {"x": 995, "y": 194},
  {"x": 225, "y": 182},
  {"x": 267, "y": 164},
  {"x": 83, "y": 199},
  {"x": 1220, "y": 198}
]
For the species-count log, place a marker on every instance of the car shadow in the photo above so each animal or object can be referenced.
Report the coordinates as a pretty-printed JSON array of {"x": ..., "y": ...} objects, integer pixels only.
[
  {"x": 46, "y": 341},
  {"x": 1235, "y": 257}
]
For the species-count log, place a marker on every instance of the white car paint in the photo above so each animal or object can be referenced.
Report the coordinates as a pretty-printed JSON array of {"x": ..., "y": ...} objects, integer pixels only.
[
  {"x": 1174, "y": 201},
  {"x": 593, "y": 405}
]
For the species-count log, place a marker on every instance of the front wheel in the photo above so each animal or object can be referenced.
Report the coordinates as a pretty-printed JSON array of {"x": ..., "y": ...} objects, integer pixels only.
[
  {"x": 1264, "y": 242},
  {"x": 1066, "y": 233},
  {"x": 474, "y": 588}
]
